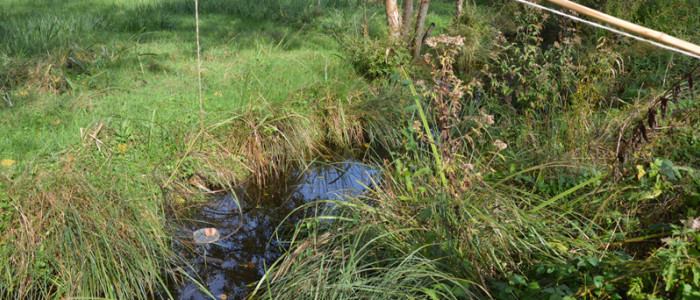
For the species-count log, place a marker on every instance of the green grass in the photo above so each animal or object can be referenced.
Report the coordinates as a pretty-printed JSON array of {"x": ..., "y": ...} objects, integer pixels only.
[
  {"x": 428, "y": 245},
  {"x": 139, "y": 73},
  {"x": 103, "y": 91},
  {"x": 78, "y": 235}
]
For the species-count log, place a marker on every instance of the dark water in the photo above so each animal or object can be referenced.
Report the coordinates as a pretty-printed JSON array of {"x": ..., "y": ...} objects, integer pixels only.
[{"x": 229, "y": 266}]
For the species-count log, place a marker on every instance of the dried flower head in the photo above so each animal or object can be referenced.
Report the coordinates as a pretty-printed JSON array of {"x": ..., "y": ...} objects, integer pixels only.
[
  {"x": 445, "y": 39},
  {"x": 416, "y": 125},
  {"x": 694, "y": 224},
  {"x": 500, "y": 145},
  {"x": 468, "y": 167},
  {"x": 488, "y": 119},
  {"x": 458, "y": 92}
]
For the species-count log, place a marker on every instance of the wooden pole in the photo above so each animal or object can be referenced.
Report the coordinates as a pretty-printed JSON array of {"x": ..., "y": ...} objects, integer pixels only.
[{"x": 641, "y": 30}]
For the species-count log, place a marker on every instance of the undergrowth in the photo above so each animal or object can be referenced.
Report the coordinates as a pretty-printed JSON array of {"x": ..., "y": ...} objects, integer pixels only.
[{"x": 547, "y": 173}]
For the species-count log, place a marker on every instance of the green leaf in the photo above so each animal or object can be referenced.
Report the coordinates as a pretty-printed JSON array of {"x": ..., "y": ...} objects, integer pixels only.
[
  {"x": 460, "y": 288},
  {"x": 411, "y": 108},
  {"x": 442, "y": 287},
  {"x": 598, "y": 281},
  {"x": 425, "y": 214},
  {"x": 430, "y": 292},
  {"x": 533, "y": 286},
  {"x": 593, "y": 261},
  {"x": 70, "y": 83},
  {"x": 567, "y": 192},
  {"x": 650, "y": 194},
  {"x": 423, "y": 171},
  {"x": 396, "y": 76},
  {"x": 459, "y": 292},
  {"x": 667, "y": 168},
  {"x": 518, "y": 280},
  {"x": 430, "y": 237}
]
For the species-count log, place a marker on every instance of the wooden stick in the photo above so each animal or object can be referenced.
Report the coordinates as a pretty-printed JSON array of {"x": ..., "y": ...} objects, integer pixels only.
[{"x": 641, "y": 30}]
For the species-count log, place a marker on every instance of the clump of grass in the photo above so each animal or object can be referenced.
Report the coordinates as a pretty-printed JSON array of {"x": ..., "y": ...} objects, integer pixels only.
[
  {"x": 367, "y": 258},
  {"x": 74, "y": 234},
  {"x": 413, "y": 238},
  {"x": 273, "y": 139}
]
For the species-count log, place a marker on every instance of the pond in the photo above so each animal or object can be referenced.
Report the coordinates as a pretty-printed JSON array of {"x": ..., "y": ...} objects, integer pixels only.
[{"x": 227, "y": 267}]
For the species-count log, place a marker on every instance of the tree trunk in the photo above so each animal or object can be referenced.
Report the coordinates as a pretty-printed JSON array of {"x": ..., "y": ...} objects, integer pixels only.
[
  {"x": 420, "y": 27},
  {"x": 427, "y": 33},
  {"x": 393, "y": 18},
  {"x": 407, "y": 20},
  {"x": 460, "y": 4}
]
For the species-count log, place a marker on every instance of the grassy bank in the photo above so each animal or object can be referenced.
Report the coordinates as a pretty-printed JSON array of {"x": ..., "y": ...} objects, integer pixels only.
[{"x": 97, "y": 94}]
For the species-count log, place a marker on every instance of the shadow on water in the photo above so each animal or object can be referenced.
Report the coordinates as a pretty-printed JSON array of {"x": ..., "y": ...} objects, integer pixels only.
[{"x": 228, "y": 266}]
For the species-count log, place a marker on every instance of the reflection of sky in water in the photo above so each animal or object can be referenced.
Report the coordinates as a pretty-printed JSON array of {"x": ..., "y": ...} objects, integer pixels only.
[{"x": 240, "y": 259}]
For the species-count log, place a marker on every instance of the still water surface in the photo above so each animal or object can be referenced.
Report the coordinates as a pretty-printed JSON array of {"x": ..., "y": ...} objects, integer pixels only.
[{"x": 229, "y": 266}]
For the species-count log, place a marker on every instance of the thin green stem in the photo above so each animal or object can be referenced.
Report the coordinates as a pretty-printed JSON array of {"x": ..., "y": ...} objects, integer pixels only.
[{"x": 426, "y": 126}]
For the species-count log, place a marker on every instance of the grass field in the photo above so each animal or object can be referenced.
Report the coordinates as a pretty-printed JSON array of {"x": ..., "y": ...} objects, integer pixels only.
[
  {"x": 502, "y": 176},
  {"x": 101, "y": 92},
  {"x": 127, "y": 68}
]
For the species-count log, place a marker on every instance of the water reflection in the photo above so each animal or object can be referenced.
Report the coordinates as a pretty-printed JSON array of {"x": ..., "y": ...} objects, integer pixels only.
[{"x": 228, "y": 266}]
